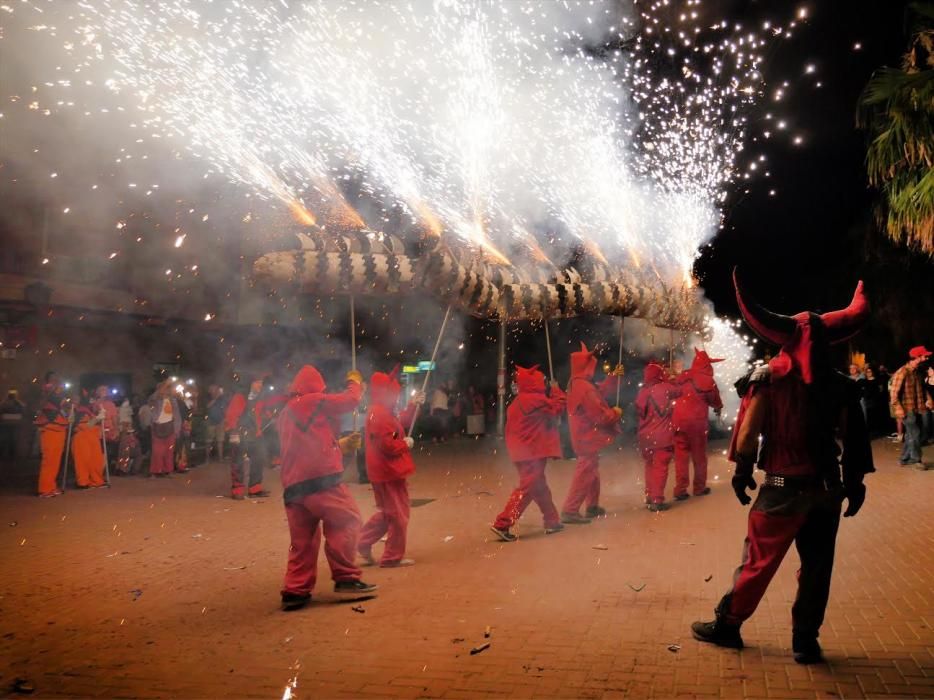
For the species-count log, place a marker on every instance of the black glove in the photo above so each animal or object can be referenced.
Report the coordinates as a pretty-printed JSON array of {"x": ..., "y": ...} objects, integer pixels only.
[
  {"x": 855, "y": 494},
  {"x": 741, "y": 482}
]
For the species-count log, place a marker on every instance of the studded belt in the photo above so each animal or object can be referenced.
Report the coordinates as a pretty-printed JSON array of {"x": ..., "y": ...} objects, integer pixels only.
[{"x": 800, "y": 483}]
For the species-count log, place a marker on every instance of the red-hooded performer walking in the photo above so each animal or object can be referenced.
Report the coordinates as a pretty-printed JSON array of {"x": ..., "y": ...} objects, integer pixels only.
[
  {"x": 315, "y": 497},
  {"x": 656, "y": 433},
  {"x": 594, "y": 425},
  {"x": 531, "y": 438},
  {"x": 798, "y": 406},
  {"x": 699, "y": 393},
  {"x": 388, "y": 464}
]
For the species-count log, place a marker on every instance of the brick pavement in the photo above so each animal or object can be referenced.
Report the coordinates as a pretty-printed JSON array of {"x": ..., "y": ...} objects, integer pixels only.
[{"x": 163, "y": 589}]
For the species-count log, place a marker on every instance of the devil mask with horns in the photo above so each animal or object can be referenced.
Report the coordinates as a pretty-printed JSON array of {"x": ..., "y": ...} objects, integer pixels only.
[{"x": 806, "y": 337}]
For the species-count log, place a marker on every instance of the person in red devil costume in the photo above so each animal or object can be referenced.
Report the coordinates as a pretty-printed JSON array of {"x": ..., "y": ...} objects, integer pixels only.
[
  {"x": 248, "y": 415},
  {"x": 656, "y": 432},
  {"x": 798, "y": 407},
  {"x": 388, "y": 464},
  {"x": 594, "y": 425},
  {"x": 699, "y": 393},
  {"x": 531, "y": 438},
  {"x": 315, "y": 497}
]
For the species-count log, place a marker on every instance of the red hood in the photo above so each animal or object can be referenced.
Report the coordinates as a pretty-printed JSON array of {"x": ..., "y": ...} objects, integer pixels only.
[
  {"x": 654, "y": 373},
  {"x": 703, "y": 363},
  {"x": 307, "y": 381},
  {"x": 583, "y": 363},
  {"x": 530, "y": 380},
  {"x": 385, "y": 388}
]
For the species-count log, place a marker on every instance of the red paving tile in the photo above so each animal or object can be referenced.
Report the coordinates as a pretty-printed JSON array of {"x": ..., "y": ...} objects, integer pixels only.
[{"x": 162, "y": 589}]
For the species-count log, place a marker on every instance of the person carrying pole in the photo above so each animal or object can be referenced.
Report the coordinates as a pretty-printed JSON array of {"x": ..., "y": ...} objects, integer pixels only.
[
  {"x": 86, "y": 446},
  {"x": 388, "y": 463},
  {"x": 315, "y": 497},
  {"x": 594, "y": 425},
  {"x": 531, "y": 438}
]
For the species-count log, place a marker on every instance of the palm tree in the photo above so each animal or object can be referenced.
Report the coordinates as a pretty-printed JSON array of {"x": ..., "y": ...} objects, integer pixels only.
[{"x": 897, "y": 109}]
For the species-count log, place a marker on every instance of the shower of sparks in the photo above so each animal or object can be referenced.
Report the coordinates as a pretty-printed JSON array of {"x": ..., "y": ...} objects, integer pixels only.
[{"x": 524, "y": 126}]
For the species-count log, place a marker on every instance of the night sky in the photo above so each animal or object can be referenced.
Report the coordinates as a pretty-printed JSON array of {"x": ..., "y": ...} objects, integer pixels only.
[{"x": 807, "y": 246}]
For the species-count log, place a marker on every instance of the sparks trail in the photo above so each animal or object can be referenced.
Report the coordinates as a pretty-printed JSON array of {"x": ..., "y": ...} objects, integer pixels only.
[{"x": 506, "y": 126}]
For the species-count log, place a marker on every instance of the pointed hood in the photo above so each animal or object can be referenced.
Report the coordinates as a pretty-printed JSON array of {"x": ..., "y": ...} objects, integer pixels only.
[
  {"x": 703, "y": 363},
  {"x": 806, "y": 337},
  {"x": 530, "y": 380},
  {"x": 654, "y": 373},
  {"x": 307, "y": 381},
  {"x": 583, "y": 363},
  {"x": 385, "y": 388}
]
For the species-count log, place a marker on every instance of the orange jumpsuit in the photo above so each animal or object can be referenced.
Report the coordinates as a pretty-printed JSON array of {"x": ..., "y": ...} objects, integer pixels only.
[
  {"x": 86, "y": 449},
  {"x": 53, "y": 430}
]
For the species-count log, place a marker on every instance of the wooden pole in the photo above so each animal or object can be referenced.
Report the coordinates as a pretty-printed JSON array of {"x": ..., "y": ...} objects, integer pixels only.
[{"x": 434, "y": 354}]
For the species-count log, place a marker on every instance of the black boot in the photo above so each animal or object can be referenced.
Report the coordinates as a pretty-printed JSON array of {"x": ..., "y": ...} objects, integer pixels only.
[
  {"x": 805, "y": 648},
  {"x": 294, "y": 601},
  {"x": 719, "y": 633}
]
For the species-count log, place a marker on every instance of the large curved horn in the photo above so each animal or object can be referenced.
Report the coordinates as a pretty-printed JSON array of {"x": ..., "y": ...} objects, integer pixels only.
[
  {"x": 844, "y": 324},
  {"x": 768, "y": 325}
]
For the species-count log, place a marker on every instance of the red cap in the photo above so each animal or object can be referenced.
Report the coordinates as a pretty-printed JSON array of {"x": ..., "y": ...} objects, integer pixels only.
[{"x": 919, "y": 351}]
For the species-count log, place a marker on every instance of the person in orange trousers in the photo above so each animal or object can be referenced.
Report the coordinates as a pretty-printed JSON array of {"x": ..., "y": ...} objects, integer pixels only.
[
  {"x": 86, "y": 448},
  {"x": 52, "y": 422}
]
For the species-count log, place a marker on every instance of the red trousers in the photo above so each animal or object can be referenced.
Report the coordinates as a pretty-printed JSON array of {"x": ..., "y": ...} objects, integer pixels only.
[
  {"x": 779, "y": 517},
  {"x": 391, "y": 516},
  {"x": 656, "y": 461},
  {"x": 585, "y": 486},
  {"x": 335, "y": 511},
  {"x": 162, "y": 460},
  {"x": 690, "y": 446},
  {"x": 532, "y": 487}
]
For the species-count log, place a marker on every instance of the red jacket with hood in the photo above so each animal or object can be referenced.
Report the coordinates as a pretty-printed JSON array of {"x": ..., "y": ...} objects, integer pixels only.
[
  {"x": 532, "y": 418},
  {"x": 594, "y": 425},
  {"x": 387, "y": 456},
  {"x": 308, "y": 427},
  {"x": 654, "y": 409},
  {"x": 699, "y": 393}
]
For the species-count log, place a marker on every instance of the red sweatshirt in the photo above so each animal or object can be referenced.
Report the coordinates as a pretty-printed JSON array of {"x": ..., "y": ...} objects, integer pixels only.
[
  {"x": 387, "y": 456},
  {"x": 654, "y": 409},
  {"x": 307, "y": 427},
  {"x": 532, "y": 418},
  {"x": 594, "y": 425}
]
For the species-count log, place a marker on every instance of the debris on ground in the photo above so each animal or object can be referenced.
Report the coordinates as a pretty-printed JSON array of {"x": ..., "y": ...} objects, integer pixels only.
[
  {"x": 601, "y": 547},
  {"x": 636, "y": 588},
  {"x": 23, "y": 686},
  {"x": 358, "y": 609},
  {"x": 483, "y": 647},
  {"x": 674, "y": 648},
  {"x": 136, "y": 593},
  {"x": 234, "y": 568},
  {"x": 708, "y": 578},
  {"x": 487, "y": 632},
  {"x": 457, "y": 640},
  {"x": 449, "y": 538},
  {"x": 13, "y": 523}
]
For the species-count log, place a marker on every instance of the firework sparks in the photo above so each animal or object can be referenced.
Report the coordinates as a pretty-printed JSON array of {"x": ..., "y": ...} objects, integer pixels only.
[{"x": 530, "y": 126}]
